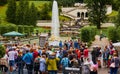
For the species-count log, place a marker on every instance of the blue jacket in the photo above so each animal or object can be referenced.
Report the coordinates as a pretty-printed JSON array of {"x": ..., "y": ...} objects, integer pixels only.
[{"x": 28, "y": 58}]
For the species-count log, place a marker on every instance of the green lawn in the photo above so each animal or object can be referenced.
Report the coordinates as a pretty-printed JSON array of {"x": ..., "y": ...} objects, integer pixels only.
[
  {"x": 39, "y": 4},
  {"x": 114, "y": 13},
  {"x": 42, "y": 30},
  {"x": 64, "y": 18}
]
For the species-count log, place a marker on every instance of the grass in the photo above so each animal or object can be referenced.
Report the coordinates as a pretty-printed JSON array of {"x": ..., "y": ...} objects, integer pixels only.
[
  {"x": 39, "y": 4},
  {"x": 41, "y": 30},
  {"x": 114, "y": 13},
  {"x": 64, "y": 18}
]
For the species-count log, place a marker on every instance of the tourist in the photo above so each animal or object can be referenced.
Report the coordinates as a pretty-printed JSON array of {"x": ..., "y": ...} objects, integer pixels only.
[
  {"x": 4, "y": 64},
  {"x": 115, "y": 64},
  {"x": 20, "y": 63},
  {"x": 43, "y": 66},
  {"x": 78, "y": 53},
  {"x": 51, "y": 62},
  {"x": 105, "y": 56},
  {"x": 65, "y": 63},
  {"x": 11, "y": 58},
  {"x": 28, "y": 59},
  {"x": 36, "y": 64},
  {"x": 60, "y": 44},
  {"x": 99, "y": 54},
  {"x": 85, "y": 52},
  {"x": 35, "y": 53},
  {"x": 94, "y": 57}
]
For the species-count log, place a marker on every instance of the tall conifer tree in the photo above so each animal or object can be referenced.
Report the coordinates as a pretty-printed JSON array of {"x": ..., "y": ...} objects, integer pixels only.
[
  {"x": 11, "y": 11},
  {"x": 33, "y": 14}
]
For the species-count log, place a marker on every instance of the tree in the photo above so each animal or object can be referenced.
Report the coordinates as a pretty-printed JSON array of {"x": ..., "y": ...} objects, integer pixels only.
[
  {"x": 117, "y": 21},
  {"x": 26, "y": 16},
  {"x": 2, "y": 2},
  {"x": 33, "y": 15},
  {"x": 20, "y": 13},
  {"x": 97, "y": 11},
  {"x": 44, "y": 13},
  {"x": 116, "y": 4},
  {"x": 11, "y": 11}
]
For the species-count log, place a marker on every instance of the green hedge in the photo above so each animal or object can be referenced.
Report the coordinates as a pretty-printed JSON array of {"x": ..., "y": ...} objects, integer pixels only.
[
  {"x": 88, "y": 33},
  {"x": 113, "y": 34},
  {"x": 118, "y": 33},
  {"x": 4, "y": 28},
  {"x": 28, "y": 30}
]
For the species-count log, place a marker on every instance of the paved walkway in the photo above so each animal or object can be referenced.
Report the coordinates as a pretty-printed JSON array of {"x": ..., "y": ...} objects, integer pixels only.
[
  {"x": 102, "y": 43},
  {"x": 97, "y": 42}
]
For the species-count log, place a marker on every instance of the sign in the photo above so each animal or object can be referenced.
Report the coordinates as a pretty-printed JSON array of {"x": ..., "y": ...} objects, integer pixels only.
[
  {"x": 42, "y": 40},
  {"x": 70, "y": 70}
]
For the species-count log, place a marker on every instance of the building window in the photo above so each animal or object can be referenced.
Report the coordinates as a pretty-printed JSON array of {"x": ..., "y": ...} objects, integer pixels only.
[
  {"x": 78, "y": 14},
  {"x": 86, "y": 14},
  {"x": 82, "y": 15}
]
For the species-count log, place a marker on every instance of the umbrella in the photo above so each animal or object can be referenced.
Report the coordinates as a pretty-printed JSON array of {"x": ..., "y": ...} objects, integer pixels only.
[{"x": 13, "y": 34}]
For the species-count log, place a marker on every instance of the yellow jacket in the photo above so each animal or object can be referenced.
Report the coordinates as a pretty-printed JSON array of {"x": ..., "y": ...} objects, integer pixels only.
[{"x": 52, "y": 63}]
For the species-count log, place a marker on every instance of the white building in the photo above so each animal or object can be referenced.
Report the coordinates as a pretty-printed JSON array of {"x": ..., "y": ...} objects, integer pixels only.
[{"x": 80, "y": 11}]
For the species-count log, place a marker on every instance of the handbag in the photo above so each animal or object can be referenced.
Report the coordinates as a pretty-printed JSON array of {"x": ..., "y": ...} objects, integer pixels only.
[{"x": 112, "y": 65}]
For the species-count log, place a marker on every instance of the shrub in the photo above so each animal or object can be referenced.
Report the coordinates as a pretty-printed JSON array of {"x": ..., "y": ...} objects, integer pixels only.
[
  {"x": 88, "y": 33},
  {"x": 118, "y": 33},
  {"x": 2, "y": 51},
  {"x": 112, "y": 34}
]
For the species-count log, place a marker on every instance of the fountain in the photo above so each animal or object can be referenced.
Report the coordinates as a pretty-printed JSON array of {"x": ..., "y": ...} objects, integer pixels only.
[{"x": 54, "y": 39}]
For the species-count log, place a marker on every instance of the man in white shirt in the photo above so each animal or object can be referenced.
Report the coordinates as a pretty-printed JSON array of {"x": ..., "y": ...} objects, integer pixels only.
[{"x": 11, "y": 58}]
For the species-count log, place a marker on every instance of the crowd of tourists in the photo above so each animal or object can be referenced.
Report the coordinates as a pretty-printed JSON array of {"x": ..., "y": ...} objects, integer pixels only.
[{"x": 50, "y": 60}]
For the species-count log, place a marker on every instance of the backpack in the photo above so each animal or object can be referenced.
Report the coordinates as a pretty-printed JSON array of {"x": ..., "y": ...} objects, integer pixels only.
[{"x": 65, "y": 62}]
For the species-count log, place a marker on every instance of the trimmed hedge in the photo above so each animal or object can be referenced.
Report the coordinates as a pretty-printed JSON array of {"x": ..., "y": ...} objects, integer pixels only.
[
  {"x": 20, "y": 28},
  {"x": 88, "y": 33},
  {"x": 4, "y": 28}
]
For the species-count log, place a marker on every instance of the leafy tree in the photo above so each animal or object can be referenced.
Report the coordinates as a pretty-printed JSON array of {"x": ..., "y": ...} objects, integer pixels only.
[
  {"x": 97, "y": 11},
  {"x": 11, "y": 11},
  {"x": 117, "y": 21},
  {"x": 116, "y": 4}
]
